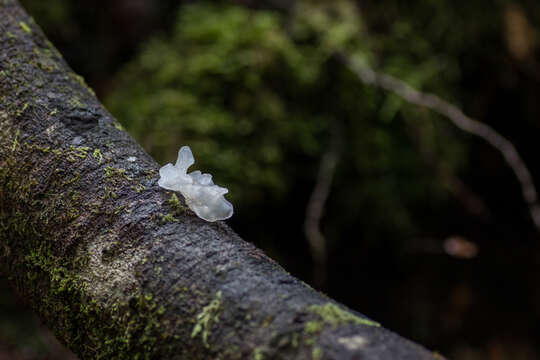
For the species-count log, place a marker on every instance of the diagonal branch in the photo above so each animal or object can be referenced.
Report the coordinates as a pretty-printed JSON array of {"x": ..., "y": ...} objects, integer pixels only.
[
  {"x": 459, "y": 119},
  {"x": 314, "y": 213},
  {"x": 117, "y": 267}
]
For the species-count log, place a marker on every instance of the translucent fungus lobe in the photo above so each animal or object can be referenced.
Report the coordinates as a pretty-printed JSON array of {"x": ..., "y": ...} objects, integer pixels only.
[{"x": 202, "y": 196}]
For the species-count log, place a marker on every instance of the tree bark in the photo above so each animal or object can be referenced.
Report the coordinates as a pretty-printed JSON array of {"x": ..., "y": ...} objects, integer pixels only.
[{"x": 117, "y": 267}]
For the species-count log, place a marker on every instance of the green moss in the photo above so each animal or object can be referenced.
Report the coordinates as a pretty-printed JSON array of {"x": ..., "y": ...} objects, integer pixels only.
[
  {"x": 116, "y": 176},
  {"x": 206, "y": 318},
  {"x": 294, "y": 340},
  {"x": 168, "y": 218},
  {"x": 61, "y": 280},
  {"x": 75, "y": 196},
  {"x": 38, "y": 227},
  {"x": 97, "y": 155},
  {"x": 139, "y": 188},
  {"x": 43, "y": 149},
  {"x": 176, "y": 204},
  {"x": 80, "y": 152},
  {"x": 45, "y": 64},
  {"x": 76, "y": 102},
  {"x": 258, "y": 353},
  {"x": 81, "y": 81},
  {"x": 334, "y": 316},
  {"x": 316, "y": 353},
  {"x": 109, "y": 194},
  {"x": 313, "y": 327},
  {"x": 143, "y": 330},
  {"x": 150, "y": 174},
  {"x": 15, "y": 141},
  {"x": 72, "y": 180},
  {"x": 25, "y": 27},
  {"x": 177, "y": 207},
  {"x": 112, "y": 172}
]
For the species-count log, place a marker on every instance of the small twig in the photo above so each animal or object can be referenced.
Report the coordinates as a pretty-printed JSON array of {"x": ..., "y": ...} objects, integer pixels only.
[
  {"x": 459, "y": 119},
  {"x": 315, "y": 210},
  {"x": 316, "y": 204}
]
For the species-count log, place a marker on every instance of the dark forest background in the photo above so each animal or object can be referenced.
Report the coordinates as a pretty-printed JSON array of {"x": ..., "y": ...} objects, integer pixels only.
[{"x": 426, "y": 230}]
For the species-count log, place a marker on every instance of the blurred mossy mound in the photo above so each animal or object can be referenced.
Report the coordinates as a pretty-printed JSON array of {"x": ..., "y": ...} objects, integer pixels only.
[{"x": 260, "y": 96}]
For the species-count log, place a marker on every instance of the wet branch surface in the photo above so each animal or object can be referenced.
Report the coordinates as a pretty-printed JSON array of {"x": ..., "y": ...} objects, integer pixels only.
[{"x": 117, "y": 267}]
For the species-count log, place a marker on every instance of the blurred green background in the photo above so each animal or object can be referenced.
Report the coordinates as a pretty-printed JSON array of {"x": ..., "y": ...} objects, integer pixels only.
[{"x": 425, "y": 227}]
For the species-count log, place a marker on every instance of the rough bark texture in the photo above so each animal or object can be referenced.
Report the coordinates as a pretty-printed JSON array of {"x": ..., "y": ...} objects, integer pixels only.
[{"x": 117, "y": 267}]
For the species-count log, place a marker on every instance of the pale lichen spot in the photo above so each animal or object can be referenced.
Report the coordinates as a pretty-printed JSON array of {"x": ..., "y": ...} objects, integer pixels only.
[
  {"x": 51, "y": 130},
  {"x": 353, "y": 343},
  {"x": 109, "y": 279},
  {"x": 77, "y": 140}
]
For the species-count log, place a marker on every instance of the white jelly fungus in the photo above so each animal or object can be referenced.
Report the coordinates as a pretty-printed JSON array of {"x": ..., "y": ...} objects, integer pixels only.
[{"x": 201, "y": 194}]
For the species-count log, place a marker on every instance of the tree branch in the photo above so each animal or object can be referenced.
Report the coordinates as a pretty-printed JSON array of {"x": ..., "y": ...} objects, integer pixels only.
[
  {"x": 315, "y": 208},
  {"x": 117, "y": 267},
  {"x": 459, "y": 119}
]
